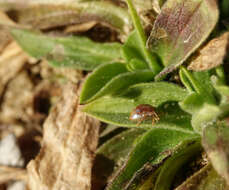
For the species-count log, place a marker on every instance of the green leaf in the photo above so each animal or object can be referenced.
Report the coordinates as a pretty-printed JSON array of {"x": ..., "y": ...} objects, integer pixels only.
[
  {"x": 103, "y": 81},
  {"x": 141, "y": 40},
  {"x": 154, "y": 177},
  {"x": 205, "y": 179},
  {"x": 200, "y": 83},
  {"x": 99, "y": 78},
  {"x": 180, "y": 29},
  {"x": 117, "y": 148},
  {"x": 192, "y": 103},
  {"x": 53, "y": 13},
  {"x": 216, "y": 142},
  {"x": 221, "y": 88},
  {"x": 184, "y": 153},
  {"x": 75, "y": 52},
  {"x": 206, "y": 115},
  {"x": 116, "y": 109},
  {"x": 132, "y": 49},
  {"x": 209, "y": 115},
  {"x": 151, "y": 147},
  {"x": 144, "y": 178},
  {"x": 112, "y": 154},
  {"x": 136, "y": 64}
]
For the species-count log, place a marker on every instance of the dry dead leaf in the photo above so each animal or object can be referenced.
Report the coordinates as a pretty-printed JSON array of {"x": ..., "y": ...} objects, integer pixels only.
[
  {"x": 70, "y": 139},
  {"x": 5, "y": 37},
  {"x": 18, "y": 185},
  {"x": 82, "y": 27},
  {"x": 5, "y": 20},
  {"x": 212, "y": 54},
  {"x": 18, "y": 99},
  {"x": 50, "y": 73},
  {"x": 12, "y": 60},
  {"x": 10, "y": 173}
]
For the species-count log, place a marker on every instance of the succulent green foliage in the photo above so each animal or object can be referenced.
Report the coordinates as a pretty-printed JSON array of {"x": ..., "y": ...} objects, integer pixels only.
[
  {"x": 111, "y": 78},
  {"x": 200, "y": 83},
  {"x": 138, "y": 37},
  {"x": 112, "y": 154},
  {"x": 205, "y": 179},
  {"x": 118, "y": 147},
  {"x": 221, "y": 88},
  {"x": 136, "y": 64},
  {"x": 97, "y": 80},
  {"x": 145, "y": 177},
  {"x": 216, "y": 142},
  {"x": 76, "y": 52},
  {"x": 207, "y": 114},
  {"x": 183, "y": 153},
  {"x": 180, "y": 29},
  {"x": 200, "y": 88},
  {"x": 154, "y": 146},
  {"x": 154, "y": 176},
  {"x": 162, "y": 95},
  {"x": 131, "y": 48},
  {"x": 53, "y": 13},
  {"x": 202, "y": 101}
]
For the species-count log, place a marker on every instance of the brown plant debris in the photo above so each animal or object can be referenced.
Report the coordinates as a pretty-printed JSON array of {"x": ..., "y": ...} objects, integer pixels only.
[
  {"x": 69, "y": 141},
  {"x": 212, "y": 54},
  {"x": 11, "y": 173},
  {"x": 12, "y": 60}
]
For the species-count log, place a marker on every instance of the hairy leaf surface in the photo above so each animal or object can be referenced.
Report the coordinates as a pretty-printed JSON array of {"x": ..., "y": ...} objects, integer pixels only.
[
  {"x": 180, "y": 28},
  {"x": 76, "y": 52},
  {"x": 162, "y": 95},
  {"x": 151, "y": 147}
]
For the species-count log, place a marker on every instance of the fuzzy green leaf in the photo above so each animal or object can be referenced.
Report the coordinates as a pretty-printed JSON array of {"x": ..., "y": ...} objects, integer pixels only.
[
  {"x": 183, "y": 153},
  {"x": 131, "y": 48},
  {"x": 75, "y": 52},
  {"x": 221, "y": 88},
  {"x": 138, "y": 37},
  {"x": 118, "y": 147},
  {"x": 200, "y": 88},
  {"x": 180, "y": 29},
  {"x": 154, "y": 176},
  {"x": 151, "y": 147},
  {"x": 136, "y": 64},
  {"x": 99, "y": 78},
  {"x": 112, "y": 154},
  {"x": 207, "y": 114},
  {"x": 192, "y": 103},
  {"x": 110, "y": 79},
  {"x": 116, "y": 109}
]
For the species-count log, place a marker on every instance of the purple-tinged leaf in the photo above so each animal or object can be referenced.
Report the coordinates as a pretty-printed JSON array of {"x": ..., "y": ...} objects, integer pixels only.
[
  {"x": 180, "y": 29},
  {"x": 216, "y": 144}
]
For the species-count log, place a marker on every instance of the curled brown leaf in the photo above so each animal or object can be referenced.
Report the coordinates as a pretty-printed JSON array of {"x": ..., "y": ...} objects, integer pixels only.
[{"x": 212, "y": 54}]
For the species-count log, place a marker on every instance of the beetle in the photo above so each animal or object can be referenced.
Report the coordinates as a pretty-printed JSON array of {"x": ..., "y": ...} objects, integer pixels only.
[{"x": 143, "y": 112}]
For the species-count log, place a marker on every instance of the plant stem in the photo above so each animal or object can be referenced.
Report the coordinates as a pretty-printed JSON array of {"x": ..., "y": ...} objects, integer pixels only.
[{"x": 151, "y": 60}]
